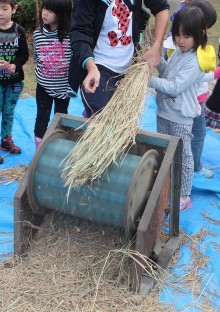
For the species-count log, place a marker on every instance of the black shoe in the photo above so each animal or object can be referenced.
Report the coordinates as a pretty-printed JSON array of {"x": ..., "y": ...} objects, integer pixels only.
[
  {"x": 1, "y": 160},
  {"x": 8, "y": 145}
]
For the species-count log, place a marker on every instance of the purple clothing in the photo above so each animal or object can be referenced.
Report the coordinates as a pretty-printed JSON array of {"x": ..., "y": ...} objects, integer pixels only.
[{"x": 182, "y": 5}]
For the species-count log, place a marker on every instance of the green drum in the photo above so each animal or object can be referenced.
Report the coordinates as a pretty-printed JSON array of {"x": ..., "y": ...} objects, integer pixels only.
[{"x": 118, "y": 198}]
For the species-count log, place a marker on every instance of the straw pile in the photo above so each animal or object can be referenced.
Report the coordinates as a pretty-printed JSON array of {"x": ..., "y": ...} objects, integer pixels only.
[
  {"x": 13, "y": 174},
  {"x": 111, "y": 131},
  {"x": 194, "y": 277},
  {"x": 61, "y": 274}
]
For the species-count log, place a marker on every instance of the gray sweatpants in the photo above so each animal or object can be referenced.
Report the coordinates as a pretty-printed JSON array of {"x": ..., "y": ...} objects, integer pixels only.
[{"x": 185, "y": 132}]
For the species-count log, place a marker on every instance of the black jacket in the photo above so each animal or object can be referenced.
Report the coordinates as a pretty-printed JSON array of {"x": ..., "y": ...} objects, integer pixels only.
[
  {"x": 14, "y": 49},
  {"x": 87, "y": 19}
]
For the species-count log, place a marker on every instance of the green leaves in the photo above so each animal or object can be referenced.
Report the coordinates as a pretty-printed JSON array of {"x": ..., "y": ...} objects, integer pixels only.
[{"x": 26, "y": 14}]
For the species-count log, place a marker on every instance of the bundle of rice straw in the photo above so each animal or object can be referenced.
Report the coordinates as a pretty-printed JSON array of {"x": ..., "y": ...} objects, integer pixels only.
[{"x": 111, "y": 131}]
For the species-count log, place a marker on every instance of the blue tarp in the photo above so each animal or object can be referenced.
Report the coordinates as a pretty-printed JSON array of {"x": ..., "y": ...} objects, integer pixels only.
[{"x": 205, "y": 194}]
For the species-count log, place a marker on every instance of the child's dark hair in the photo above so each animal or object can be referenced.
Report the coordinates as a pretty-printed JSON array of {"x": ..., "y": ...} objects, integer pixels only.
[
  {"x": 192, "y": 23},
  {"x": 62, "y": 9},
  {"x": 208, "y": 11},
  {"x": 11, "y": 2}
]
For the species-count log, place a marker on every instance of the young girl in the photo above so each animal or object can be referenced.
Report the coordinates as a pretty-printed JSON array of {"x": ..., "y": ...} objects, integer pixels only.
[
  {"x": 176, "y": 91},
  {"x": 207, "y": 62},
  {"x": 52, "y": 53}
]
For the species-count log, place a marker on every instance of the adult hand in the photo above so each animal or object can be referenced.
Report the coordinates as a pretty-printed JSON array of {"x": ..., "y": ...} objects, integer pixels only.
[
  {"x": 152, "y": 56},
  {"x": 91, "y": 82}
]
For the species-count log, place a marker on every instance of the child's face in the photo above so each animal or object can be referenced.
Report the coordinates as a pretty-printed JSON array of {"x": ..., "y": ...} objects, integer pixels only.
[
  {"x": 185, "y": 43},
  {"x": 49, "y": 17},
  {"x": 6, "y": 12}
]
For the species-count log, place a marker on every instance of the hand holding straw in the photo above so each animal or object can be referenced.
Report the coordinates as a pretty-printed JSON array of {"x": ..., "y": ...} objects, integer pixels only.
[{"x": 109, "y": 132}]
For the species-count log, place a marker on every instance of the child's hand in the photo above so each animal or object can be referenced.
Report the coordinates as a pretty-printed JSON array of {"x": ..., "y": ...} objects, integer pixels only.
[
  {"x": 11, "y": 68},
  {"x": 3, "y": 64},
  {"x": 217, "y": 73}
]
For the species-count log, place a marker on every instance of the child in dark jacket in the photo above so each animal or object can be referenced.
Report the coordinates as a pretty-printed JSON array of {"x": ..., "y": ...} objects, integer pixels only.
[{"x": 13, "y": 55}]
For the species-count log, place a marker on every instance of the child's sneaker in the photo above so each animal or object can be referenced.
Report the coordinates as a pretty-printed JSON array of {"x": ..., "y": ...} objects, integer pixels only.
[
  {"x": 206, "y": 173},
  {"x": 185, "y": 203},
  {"x": 8, "y": 145}
]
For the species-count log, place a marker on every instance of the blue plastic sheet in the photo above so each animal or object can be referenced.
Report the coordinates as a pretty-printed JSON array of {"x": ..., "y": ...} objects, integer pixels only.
[{"x": 205, "y": 194}]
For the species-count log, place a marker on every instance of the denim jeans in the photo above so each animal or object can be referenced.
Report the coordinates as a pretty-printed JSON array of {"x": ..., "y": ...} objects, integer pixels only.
[
  {"x": 199, "y": 133},
  {"x": 94, "y": 102}
]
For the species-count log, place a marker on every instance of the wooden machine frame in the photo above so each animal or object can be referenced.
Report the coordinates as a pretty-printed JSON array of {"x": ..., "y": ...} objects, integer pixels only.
[{"x": 166, "y": 189}]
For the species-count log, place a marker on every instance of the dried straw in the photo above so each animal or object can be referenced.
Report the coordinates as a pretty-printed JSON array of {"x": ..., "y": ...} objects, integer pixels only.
[
  {"x": 110, "y": 132},
  {"x": 14, "y": 174},
  {"x": 60, "y": 274},
  {"x": 211, "y": 220}
]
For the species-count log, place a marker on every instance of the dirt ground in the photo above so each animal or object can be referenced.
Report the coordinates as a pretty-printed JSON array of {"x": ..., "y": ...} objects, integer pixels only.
[{"x": 173, "y": 4}]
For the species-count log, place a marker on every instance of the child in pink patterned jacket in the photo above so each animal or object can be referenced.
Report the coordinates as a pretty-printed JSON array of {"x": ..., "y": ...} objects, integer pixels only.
[{"x": 52, "y": 51}]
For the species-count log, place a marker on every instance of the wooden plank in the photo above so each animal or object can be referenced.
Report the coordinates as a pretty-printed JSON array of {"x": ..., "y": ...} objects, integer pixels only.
[
  {"x": 150, "y": 220},
  {"x": 23, "y": 212},
  {"x": 153, "y": 138},
  {"x": 176, "y": 173},
  {"x": 22, "y": 209},
  {"x": 74, "y": 122},
  {"x": 142, "y": 136},
  {"x": 171, "y": 247},
  {"x": 145, "y": 239},
  {"x": 158, "y": 186},
  {"x": 165, "y": 256}
]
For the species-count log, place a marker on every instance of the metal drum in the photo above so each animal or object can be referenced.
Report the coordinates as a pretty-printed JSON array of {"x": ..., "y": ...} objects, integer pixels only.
[{"x": 118, "y": 198}]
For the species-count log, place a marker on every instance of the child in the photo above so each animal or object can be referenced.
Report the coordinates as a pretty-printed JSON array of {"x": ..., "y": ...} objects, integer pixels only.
[
  {"x": 212, "y": 107},
  {"x": 176, "y": 91},
  {"x": 13, "y": 55},
  {"x": 103, "y": 39},
  {"x": 52, "y": 52},
  {"x": 207, "y": 62},
  {"x": 199, "y": 124}
]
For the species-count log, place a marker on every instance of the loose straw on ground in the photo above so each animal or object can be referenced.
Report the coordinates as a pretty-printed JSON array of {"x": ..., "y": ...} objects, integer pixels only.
[
  {"x": 13, "y": 174},
  {"x": 111, "y": 131},
  {"x": 61, "y": 274}
]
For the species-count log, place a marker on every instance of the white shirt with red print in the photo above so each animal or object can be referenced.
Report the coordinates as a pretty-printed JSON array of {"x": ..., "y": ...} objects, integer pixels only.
[{"x": 115, "y": 47}]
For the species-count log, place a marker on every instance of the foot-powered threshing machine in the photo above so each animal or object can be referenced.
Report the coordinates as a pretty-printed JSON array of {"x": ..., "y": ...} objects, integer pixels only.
[{"x": 136, "y": 196}]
